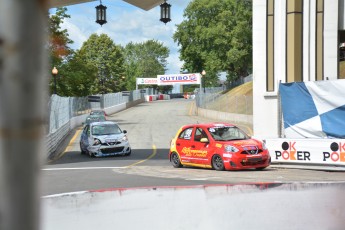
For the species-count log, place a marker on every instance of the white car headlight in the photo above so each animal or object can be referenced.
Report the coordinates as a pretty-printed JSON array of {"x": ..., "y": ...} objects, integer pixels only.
[
  {"x": 264, "y": 145},
  {"x": 231, "y": 149},
  {"x": 96, "y": 141},
  {"x": 124, "y": 138}
]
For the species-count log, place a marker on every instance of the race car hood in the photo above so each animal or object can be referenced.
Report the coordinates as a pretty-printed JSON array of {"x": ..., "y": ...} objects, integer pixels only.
[
  {"x": 109, "y": 138},
  {"x": 246, "y": 142}
]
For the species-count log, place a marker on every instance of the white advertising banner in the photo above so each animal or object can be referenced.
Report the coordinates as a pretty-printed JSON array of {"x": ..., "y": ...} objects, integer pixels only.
[
  {"x": 304, "y": 151},
  {"x": 184, "y": 79},
  {"x": 146, "y": 81}
]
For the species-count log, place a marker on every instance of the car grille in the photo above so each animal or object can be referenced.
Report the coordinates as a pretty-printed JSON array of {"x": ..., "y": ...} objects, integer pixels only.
[
  {"x": 111, "y": 143},
  {"x": 251, "y": 150},
  {"x": 252, "y": 161},
  {"x": 112, "y": 150}
]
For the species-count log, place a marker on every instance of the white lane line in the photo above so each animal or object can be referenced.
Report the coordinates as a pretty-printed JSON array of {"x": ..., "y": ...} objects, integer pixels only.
[
  {"x": 209, "y": 178},
  {"x": 84, "y": 168}
]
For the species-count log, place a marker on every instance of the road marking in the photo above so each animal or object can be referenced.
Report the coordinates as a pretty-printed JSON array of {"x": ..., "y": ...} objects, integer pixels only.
[
  {"x": 149, "y": 157},
  {"x": 82, "y": 168},
  {"x": 72, "y": 141},
  {"x": 68, "y": 146},
  {"x": 201, "y": 179},
  {"x": 191, "y": 108}
]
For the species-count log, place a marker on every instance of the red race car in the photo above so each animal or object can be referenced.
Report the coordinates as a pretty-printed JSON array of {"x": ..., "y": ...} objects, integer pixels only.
[{"x": 219, "y": 146}]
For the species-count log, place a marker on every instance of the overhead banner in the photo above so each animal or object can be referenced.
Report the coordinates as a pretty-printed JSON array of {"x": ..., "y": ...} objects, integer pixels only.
[
  {"x": 146, "y": 81},
  {"x": 184, "y": 79},
  {"x": 313, "y": 109}
]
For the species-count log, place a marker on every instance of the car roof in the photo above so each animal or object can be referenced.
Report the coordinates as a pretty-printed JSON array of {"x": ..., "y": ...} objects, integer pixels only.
[
  {"x": 103, "y": 123},
  {"x": 97, "y": 110},
  {"x": 96, "y": 115},
  {"x": 209, "y": 125}
]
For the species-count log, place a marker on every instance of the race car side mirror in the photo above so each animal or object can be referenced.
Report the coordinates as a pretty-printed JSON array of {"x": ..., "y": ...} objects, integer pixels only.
[{"x": 124, "y": 131}]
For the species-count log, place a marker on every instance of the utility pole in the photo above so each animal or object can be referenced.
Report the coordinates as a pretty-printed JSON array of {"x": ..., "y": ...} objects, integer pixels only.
[{"x": 23, "y": 94}]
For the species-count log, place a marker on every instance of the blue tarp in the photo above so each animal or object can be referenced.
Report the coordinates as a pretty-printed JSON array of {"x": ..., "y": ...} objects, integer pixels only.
[{"x": 313, "y": 109}]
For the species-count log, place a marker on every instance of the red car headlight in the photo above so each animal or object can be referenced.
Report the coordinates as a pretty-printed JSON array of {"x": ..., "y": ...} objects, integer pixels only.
[{"x": 231, "y": 149}]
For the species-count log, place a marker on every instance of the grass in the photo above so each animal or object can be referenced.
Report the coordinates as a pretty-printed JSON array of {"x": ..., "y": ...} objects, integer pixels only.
[{"x": 237, "y": 100}]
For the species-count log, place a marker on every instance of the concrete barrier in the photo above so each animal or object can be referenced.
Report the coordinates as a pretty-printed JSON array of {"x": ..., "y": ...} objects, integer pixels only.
[
  {"x": 115, "y": 108},
  {"x": 150, "y": 97},
  {"x": 163, "y": 97},
  {"x": 252, "y": 206}
]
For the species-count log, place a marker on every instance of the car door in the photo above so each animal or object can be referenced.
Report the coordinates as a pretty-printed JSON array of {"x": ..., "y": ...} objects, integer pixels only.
[
  {"x": 200, "y": 150},
  {"x": 183, "y": 145},
  {"x": 84, "y": 139}
]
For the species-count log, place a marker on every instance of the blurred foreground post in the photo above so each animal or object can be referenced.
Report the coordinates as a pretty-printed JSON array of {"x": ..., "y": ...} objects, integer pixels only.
[{"x": 22, "y": 93}]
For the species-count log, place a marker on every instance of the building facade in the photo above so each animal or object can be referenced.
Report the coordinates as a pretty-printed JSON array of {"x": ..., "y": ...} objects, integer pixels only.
[{"x": 293, "y": 41}]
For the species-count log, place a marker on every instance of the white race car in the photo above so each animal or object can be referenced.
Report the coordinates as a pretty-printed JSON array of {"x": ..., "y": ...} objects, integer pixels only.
[{"x": 104, "y": 138}]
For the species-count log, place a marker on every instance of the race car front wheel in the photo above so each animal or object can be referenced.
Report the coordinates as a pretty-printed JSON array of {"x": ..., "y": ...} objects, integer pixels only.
[
  {"x": 175, "y": 160},
  {"x": 81, "y": 149},
  {"x": 217, "y": 163},
  {"x": 91, "y": 154}
]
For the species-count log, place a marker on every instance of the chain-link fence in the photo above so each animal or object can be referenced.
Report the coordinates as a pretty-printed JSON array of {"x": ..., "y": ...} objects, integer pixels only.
[
  {"x": 65, "y": 113},
  {"x": 62, "y": 109},
  {"x": 226, "y": 103},
  {"x": 215, "y": 99}
]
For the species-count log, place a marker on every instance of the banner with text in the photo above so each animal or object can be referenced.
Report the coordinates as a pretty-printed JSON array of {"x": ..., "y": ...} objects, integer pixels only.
[
  {"x": 184, "y": 79},
  {"x": 146, "y": 81},
  {"x": 307, "y": 151}
]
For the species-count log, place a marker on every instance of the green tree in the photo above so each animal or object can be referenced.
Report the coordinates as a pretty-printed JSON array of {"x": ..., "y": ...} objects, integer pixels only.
[
  {"x": 101, "y": 52},
  {"x": 58, "y": 42},
  {"x": 216, "y": 36},
  {"x": 145, "y": 60},
  {"x": 76, "y": 78}
]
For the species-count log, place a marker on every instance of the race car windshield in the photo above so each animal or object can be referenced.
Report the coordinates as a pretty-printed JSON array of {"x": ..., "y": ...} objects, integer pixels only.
[
  {"x": 227, "y": 133},
  {"x": 105, "y": 130}
]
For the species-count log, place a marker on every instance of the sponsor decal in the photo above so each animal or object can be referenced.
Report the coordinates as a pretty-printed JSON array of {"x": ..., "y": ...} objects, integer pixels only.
[
  {"x": 289, "y": 152},
  {"x": 194, "y": 153},
  {"x": 219, "y": 145},
  {"x": 147, "y": 81},
  {"x": 227, "y": 155},
  {"x": 337, "y": 153},
  {"x": 165, "y": 79},
  {"x": 178, "y": 79}
]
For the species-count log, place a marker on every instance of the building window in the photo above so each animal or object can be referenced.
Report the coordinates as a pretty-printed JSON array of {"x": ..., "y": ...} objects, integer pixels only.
[
  {"x": 319, "y": 39},
  {"x": 341, "y": 63},
  {"x": 270, "y": 46},
  {"x": 294, "y": 40}
]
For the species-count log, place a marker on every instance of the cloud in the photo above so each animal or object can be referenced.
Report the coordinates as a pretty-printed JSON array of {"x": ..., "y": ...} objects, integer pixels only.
[{"x": 126, "y": 23}]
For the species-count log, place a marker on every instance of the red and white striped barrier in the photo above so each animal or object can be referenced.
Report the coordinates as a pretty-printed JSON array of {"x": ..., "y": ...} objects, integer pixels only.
[
  {"x": 163, "y": 97},
  {"x": 157, "y": 97}
]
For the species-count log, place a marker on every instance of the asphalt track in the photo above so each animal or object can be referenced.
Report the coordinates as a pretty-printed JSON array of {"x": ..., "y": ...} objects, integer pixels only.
[{"x": 150, "y": 128}]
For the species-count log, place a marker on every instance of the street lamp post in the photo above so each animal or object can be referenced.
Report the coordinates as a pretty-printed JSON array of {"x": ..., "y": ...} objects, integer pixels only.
[
  {"x": 55, "y": 72},
  {"x": 203, "y": 73}
]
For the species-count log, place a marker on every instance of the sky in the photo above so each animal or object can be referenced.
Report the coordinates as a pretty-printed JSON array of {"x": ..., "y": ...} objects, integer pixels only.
[{"x": 127, "y": 23}]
